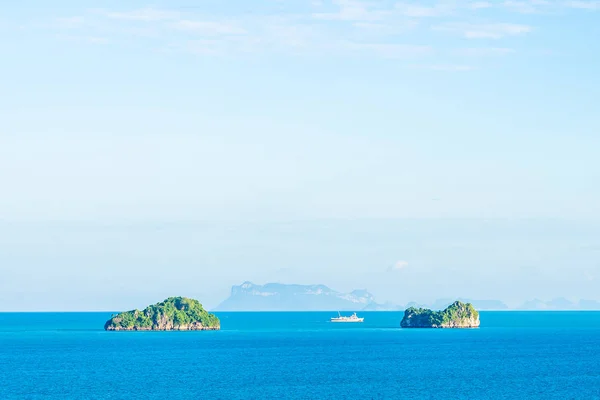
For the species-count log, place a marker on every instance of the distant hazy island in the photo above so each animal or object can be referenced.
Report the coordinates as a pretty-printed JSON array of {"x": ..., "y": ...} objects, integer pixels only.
[
  {"x": 173, "y": 314},
  {"x": 293, "y": 297},
  {"x": 457, "y": 315},
  {"x": 282, "y": 297}
]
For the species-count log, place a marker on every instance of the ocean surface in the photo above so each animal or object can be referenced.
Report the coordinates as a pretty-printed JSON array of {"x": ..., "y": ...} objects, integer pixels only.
[{"x": 514, "y": 355}]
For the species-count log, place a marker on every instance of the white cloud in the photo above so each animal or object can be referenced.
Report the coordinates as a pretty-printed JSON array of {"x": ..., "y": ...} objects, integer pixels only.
[
  {"x": 85, "y": 39},
  {"x": 584, "y": 5},
  {"x": 398, "y": 266},
  {"x": 211, "y": 28},
  {"x": 293, "y": 36},
  {"x": 589, "y": 276},
  {"x": 145, "y": 14},
  {"x": 444, "y": 68},
  {"x": 526, "y": 6},
  {"x": 417, "y": 11},
  {"x": 326, "y": 27},
  {"x": 483, "y": 51},
  {"x": 392, "y": 50},
  {"x": 455, "y": 68},
  {"x": 486, "y": 31},
  {"x": 353, "y": 10},
  {"x": 545, "y": 6},
  {"x": 385, "y": 29},
  {"x": 364, "y": 32},
  {"x": 202, "y": 47},
  {"x": 97, "y": 40},
  {"x": 71, "y": 22},
  {"x": 479, "y": 5}
]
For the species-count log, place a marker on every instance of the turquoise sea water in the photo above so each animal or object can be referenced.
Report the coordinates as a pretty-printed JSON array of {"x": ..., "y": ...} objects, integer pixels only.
[{"x": 514, "y": 355}]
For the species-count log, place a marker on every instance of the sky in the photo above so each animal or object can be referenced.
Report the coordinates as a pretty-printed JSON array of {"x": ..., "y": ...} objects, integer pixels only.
[{"x": 420, "y": 149}]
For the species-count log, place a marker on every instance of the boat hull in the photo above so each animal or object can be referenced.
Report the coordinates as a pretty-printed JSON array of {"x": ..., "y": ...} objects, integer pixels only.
[{"x": 348, "y": 322}]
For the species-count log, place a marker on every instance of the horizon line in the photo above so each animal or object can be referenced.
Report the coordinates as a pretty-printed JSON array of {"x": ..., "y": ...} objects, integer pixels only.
[{"x": 291, "y": 311}]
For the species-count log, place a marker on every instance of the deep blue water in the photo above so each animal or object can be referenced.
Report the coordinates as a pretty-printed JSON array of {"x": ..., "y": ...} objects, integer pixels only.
[{"x": 514, "y": 355}]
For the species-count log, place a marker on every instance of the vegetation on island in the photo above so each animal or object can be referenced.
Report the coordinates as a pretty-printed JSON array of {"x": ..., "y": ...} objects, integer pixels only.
[
  {"x": 175, "y": 313},
  {"x": 457, "y": 315}
]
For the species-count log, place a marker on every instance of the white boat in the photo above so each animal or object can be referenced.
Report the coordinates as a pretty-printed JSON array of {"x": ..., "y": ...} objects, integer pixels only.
[{"x": 352, "y": 318}]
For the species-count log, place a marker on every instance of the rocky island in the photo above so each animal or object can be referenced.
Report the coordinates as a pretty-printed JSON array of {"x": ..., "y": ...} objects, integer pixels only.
[
  {"x": 173, "y": 314},
  {"x": 457, "y": 315}
]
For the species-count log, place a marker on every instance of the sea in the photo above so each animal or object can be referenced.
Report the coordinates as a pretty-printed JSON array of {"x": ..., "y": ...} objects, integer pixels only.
[{"x": 301, "y": 355}]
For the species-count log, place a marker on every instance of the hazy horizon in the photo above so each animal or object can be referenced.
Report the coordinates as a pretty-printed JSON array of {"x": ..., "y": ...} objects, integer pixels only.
[
  {"x": 111, "y": 266},
  {"x": 420, "y": 151}
]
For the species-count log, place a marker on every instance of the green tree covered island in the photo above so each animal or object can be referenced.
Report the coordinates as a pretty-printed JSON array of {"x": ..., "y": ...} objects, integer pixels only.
[
  {"x": 173, "y": 314},
  {"x": 457, "y": 315}
]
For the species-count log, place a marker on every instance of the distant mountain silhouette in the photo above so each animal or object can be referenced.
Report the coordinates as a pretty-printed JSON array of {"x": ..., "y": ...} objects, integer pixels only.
[
  {"x": 383, "y": 307},
  {"x": 416, "y": 305},
  {"x": 560, "y": 304},
  {"x": 589, "y": 305},
  {"x": 281, "y": 297},
  {"x": 441, "y": 304}
]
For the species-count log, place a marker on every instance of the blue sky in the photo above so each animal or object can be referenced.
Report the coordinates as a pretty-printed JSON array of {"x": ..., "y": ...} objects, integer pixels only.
[{"x": 266, "y": 112}]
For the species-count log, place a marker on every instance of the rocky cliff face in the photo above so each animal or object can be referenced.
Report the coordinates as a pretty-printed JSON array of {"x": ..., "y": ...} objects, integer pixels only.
[
  {"x": 166, "y": 326},
  {"x": 457, "y": 315},
  {"x": 470, "y": 322}
]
